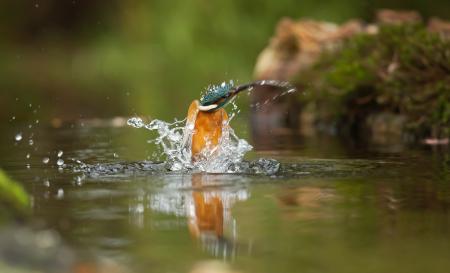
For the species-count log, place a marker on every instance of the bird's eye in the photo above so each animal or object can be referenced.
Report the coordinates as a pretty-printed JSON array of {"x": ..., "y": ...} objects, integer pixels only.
[{"x": 221, "y": 100}]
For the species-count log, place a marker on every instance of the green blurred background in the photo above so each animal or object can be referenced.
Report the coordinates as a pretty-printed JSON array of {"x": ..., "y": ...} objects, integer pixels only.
[{"x": 79, "y": 59}]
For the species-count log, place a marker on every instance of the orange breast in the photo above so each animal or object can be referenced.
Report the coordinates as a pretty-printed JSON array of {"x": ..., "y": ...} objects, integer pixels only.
[
  {"x": 208, "y": 210},
  {"x": 207, "y": 128}
]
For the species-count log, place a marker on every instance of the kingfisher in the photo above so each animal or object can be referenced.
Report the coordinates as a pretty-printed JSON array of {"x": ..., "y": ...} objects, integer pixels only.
[{"x": 208, "y": 118}]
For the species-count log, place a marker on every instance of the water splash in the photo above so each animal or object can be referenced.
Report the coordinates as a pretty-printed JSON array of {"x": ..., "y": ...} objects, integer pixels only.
[
  {"x": 175, "y": 140},
  {"x": 289, "y": 89}
]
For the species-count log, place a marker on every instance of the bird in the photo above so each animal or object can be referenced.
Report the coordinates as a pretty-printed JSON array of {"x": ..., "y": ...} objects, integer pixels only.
[{"x": 207, "y": 119}]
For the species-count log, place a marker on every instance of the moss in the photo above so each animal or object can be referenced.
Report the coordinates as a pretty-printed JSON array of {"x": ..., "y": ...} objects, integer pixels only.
[{"x": 403, "y": 69}]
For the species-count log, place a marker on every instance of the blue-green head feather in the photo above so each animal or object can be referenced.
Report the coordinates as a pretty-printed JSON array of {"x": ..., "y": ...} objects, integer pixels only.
[{"x": 218, "y": 94}]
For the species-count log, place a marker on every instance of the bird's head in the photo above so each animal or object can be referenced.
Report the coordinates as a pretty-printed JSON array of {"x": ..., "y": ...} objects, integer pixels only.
[{"x": 217, "y": 96}]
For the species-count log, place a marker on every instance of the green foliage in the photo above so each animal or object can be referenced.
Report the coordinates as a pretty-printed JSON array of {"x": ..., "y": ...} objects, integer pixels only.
[
  {"x": 143, "y": 57},
  {"x": 403, "y": 69},
  {"x": 12, "y": 195},
  {"x": 161, "y": 53}
]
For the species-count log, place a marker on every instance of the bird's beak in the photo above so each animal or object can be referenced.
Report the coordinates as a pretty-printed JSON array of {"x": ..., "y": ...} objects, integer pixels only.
[{"x": 207, "y": 108}]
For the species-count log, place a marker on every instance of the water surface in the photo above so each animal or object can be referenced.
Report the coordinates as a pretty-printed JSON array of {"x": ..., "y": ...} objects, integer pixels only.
[{"x": 331, "y": 206}]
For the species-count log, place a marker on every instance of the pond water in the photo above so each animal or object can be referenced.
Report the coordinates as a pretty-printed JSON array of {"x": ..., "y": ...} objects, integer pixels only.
[{"x": 330, "y": 205}]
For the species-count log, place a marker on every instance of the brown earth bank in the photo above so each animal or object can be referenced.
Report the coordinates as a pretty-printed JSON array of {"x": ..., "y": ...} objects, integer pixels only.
[{"x": 387, "y": 81}]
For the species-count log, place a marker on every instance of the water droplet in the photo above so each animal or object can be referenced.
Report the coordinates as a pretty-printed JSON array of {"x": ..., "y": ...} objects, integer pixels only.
[
  {"x": 13, "y": 117},
  {"x": 30, "y": 142},
  {"x": 36, "y": 5},
  {"x": 18, "y": 137},
  {"x": 136, "y": 122},
  {"x": 60, "y": 194},
  {"x": 28, "y": 166},
  {"x": 28, "y": 156},
  {"x": 60, "y": 162},
  {"x": 60, "y": 153},
  {"x": 115, "y": 155},
  {"x": 37, "y": 121},
  {"x": 46, "y": 183},
  {"x": 45, "y": 160}
]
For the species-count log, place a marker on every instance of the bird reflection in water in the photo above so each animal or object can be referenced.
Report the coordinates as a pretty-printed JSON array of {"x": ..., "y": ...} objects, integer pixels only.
[
  {"x": 206, "y": 201},
  {"x": 211, "y": 212}
]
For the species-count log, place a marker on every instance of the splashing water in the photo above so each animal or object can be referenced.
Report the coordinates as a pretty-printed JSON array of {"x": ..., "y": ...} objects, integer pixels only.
[
  {"x": 175, "y": 140},
  {"x": 289, "y": 89}
]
